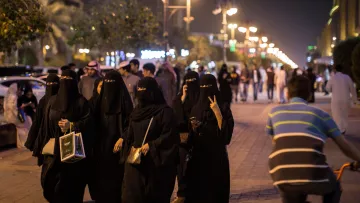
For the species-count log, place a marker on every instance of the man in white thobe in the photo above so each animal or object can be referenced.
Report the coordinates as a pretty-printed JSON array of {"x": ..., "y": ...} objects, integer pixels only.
[
  {"x": 341, "y": 87},
  {"x": 280, "y": 78}
]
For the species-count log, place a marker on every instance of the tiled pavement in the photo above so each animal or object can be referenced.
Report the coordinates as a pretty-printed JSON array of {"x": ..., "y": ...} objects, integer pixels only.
[{"x": 248, "y": 152}]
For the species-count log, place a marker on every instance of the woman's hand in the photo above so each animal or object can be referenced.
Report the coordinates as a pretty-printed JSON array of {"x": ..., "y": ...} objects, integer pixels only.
[
  {"x": 184, "y": 91},
  {"x": 64, "y": 124},
  {"x": 118, "y": 145},
  {"x": 145, "y": 149},
  {"x": 215, "y": 108}
]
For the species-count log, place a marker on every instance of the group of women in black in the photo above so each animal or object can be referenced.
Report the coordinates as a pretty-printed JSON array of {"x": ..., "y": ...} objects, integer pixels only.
[{"x": 187, "y": 141}]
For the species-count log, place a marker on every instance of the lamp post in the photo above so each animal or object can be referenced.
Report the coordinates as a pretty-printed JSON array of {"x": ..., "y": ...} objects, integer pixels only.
[
  {"x": 232, "y": 27},
  {"x": 188, "y": 19},
  {"x": 247, "y": 31}
]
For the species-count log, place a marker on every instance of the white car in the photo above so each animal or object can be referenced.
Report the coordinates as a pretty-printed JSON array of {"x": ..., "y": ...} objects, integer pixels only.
[{"x": 38, "y": 86}]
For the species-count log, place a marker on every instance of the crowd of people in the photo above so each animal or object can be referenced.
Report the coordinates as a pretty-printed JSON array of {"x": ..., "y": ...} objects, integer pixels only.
[
  {"x": 178, "y": 132},
  {"x": 179, "y": 136}
]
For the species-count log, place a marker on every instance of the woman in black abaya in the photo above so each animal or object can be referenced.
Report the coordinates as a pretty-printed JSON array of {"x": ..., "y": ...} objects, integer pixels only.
[
  {"x": 112, "y": 112},
  {"x": 208, "y": 173},
  {"x": 28, "y": 102},
  {"x": 152, "y": 181},
  {"x": 224, "y": 79},
  {"x": 52, "y": 87},
  {"x": 65, "y": 182},
  {"x": 182, "y": 106}
]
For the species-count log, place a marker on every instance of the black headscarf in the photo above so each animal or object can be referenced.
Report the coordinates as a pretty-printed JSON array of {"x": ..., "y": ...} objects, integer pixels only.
[
  {"x": 150, "y": 99},
  {"x": 114, "y": 97},
  {"x": 68, "y": 91},
  {"x": 52, "y": 85},
  {"x": 208, "y": 88},
  {"x": 192, "y": 80}
]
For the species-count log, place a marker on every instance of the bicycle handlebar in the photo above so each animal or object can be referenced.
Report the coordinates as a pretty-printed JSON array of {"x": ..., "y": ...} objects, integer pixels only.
[{"x": 354, "y": 166}]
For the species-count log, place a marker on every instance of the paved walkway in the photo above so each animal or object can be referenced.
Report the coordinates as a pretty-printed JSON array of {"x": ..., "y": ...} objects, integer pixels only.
[{"x": 248, "y": 152}]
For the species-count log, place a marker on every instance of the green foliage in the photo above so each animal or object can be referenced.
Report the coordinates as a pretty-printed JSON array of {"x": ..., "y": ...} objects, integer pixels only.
[
  {"x": 115, "y": 24},
  {"x": 343, "y": 53},
  {"x": 356, "y": 64},
  {"x": 27, "y": 56},
  {"x": 201, "y": 49},
  {"x": 20, "y": 21}
]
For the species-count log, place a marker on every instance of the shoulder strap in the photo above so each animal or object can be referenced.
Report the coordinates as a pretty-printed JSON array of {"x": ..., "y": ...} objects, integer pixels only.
[{"x": 147, "y": 131}]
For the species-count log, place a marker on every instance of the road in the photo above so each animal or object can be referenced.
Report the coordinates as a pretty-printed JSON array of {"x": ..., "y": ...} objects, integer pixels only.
[{"x": 248, "y": 152}]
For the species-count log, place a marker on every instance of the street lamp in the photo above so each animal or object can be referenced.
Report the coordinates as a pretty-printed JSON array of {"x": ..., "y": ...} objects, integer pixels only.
[
  {"x": 232, "y": 27},
  {"x": 242, "y": 29},
  {"x": 232, "y": 11},
  {"x": 264, "y": 39},
  {"x": 253, "y": 29},
  {"x": 271, "y": 45},
  {"x": 47, "y": 47}
]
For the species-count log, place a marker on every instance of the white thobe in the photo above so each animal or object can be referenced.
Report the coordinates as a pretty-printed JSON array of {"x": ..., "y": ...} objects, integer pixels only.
[
  {"x": 341, "y": 87},
  {"x": 280, "y": 85}
]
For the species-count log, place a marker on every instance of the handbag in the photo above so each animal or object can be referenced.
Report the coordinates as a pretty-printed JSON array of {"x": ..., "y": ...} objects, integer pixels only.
[
  {"x": 71, "y": 147},
  {"x": 21, "y": 115},
  {"x": 49, "y": 147},
  {"x": 135, "y": 153}
]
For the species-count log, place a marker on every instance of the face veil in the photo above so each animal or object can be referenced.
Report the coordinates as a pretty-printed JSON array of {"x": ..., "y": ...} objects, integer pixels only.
[
  {"x": 191, "y": 79},
  {"x": 208, "y": 88},
  {"x": 68, "y": 91},
  {"x": 52, "y": 85},
  {"x": 114, "y": 96}
]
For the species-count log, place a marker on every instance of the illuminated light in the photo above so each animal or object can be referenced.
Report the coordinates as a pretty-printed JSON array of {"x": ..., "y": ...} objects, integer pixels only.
[
  {"x": 329, "y": 22},
  {"x": 93, "y": 28},
  {"x": 332, "y": 45},
  {"x": 334, "y": 38},
  {"x": 232, "y": 26},
  {"x": 264, "y": 39},
  {"x": 255, "y": 39},
  {"x": 270, "y": 50},
  {"x": 335, "y": 8},
  {"x": 107, "y": 53},
  {"x": 130, "y": 55},
  {"x": 232, "y": 11},
  {"x": 185, "y": 53},
  {"x": 264, "y": 45},
  {"x": 112, "y": 53},
  {"x": 252, "y": 50},
  {"x": 148, "y": 54},
  {"x": 102, "y": 59},
  {"x": 242, "y": 29},
  {"x": 47, "y": 47},
  {"x": 308, "y": 58},
  {"x": 86, "y": 51},
  {"x": 253, "y": 29},
  {"x": 71, "y": 28},
  {"x": 271, "y": 45}
]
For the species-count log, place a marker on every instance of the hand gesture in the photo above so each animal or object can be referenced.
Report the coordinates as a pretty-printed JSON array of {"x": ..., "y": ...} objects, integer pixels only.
[
  {"x": 64, "y": 124},
  {"x": 145, "y": 148},
  {"x": 225, "y": 75},
  {"x": 213, "y": 103},
  {"x": 118, "y": 145}
]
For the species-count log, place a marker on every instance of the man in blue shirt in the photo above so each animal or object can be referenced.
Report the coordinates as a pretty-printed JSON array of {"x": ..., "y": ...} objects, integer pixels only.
[{"x": 297, "y": 164}]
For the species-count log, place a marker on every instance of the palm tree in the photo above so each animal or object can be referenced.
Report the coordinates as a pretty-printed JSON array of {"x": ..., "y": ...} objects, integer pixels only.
[{"x": 59, "y": 14}]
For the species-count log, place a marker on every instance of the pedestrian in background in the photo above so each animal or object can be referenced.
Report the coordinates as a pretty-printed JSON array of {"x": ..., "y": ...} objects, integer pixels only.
[
  {"x": 245, "y": 81},
  {"x": 263, "y": 79},
  {"x": 28, "y": 102},
  {"x": 326, "y": 79},
  {"x": 280, "y": 81},
  {"x": 86, "y": 84},
  {"x": 343, "y": 94},
  {"x": 153, "y": 130},
  {"x": 235, "y": 81},
  {"x": 224, "y": 80},
  {"x": 212, "y": 125},
  {"x": 129, "y": 78},
  {"x": 111, "y": 115},
  {"x": 312, "y": 79},
  {"x": 255, "y": 76},
  {"x": 134, "y": 66},
  {"x": 270, "y": 83},
  {"x": 168, "y": 78},
  {"x": 183, "y": 105}
]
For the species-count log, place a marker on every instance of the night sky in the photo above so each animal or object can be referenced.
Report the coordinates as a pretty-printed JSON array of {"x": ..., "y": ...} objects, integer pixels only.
[{"x": 291, "y": 24}]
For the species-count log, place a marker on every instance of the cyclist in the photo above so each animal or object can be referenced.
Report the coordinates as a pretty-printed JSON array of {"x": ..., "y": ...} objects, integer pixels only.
[{"x": 297, "y": 164}]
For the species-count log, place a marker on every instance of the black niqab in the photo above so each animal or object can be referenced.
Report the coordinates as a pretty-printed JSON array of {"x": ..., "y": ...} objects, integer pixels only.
[
  {"x": 68, "y": 91},
  {"x": 192, "y": 80},
  {"x": 150, "y": 99},
  {"x": 208, "y": 88},
  {"x": 52, "y": 85},
  {"x": 114, "y": 97}
]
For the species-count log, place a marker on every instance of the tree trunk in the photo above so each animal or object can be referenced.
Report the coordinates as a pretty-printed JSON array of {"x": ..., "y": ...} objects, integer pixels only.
[
  {"x": 39, "y": 52},
  {"x": 68, "y": 53}
]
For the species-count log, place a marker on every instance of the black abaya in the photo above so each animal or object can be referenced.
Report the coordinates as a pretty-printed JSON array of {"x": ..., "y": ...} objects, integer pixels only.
[
  {"x": 224, "y": 79},
  {"x": 112, "y": 112},
  {"x": 208, "y": 173},
  {"x": 152, "y": 181}
]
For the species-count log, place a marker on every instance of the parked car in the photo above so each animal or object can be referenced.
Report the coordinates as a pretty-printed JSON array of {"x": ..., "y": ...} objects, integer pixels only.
[
  {"x": 43, "y": 77},
  {"x": 37, "y": 85}
]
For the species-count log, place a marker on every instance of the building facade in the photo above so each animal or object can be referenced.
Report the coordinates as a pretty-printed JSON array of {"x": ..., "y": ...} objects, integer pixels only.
[{"x": 344, "y": 23}]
